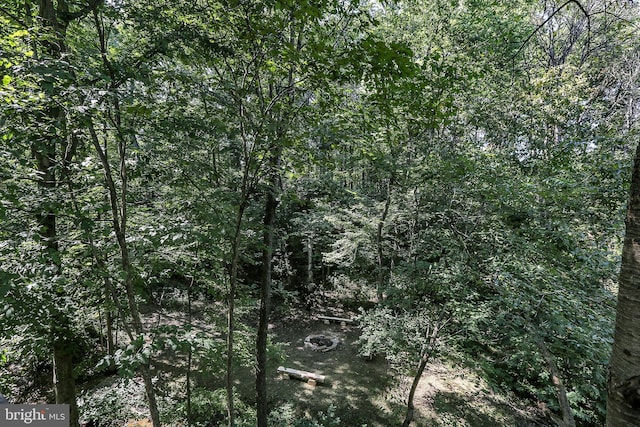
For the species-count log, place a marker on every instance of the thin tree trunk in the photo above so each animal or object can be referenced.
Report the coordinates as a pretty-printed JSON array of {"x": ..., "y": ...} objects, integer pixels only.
[
  {"x": 188, "y": 394},
  {"x": 189, "y": 357},
  {"x": 119, "y": 213},
  {"x": 381, "y": 222},
  {"x": 119, "y": 225},
  {"x": 561, "y": 391},
  {"x": 414, "y": 385},
  {"x": 623, "y": 386},
  {"x": 231, "y": 298},
  {"x": 309, "y": 261},
  {"x": 429, "y": 347},
  {"x": 100, "y": 263},
  {"x": 265, "y": 293},
  {"x": 271, "y": 204},
  {"x": 109, "y": 326}
]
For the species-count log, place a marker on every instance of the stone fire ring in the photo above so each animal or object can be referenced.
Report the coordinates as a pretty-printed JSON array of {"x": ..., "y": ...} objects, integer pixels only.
[{"x": 321, "y": 343}]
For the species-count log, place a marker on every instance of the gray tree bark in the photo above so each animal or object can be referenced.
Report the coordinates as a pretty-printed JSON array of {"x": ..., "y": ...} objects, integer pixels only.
[{"x": 623, "y": 386}]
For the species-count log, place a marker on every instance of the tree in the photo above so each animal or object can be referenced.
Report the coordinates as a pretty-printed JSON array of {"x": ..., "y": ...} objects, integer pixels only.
[
  {"x": 623, "y": 384},
  {"x": 53, "y": 148},
  {"x": 502, "y": 242},
  {"x": 464, "y": 156}
]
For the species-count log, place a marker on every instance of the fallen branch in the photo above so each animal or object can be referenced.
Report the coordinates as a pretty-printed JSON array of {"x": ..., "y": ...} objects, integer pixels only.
[{"x": 309, "y": 377}]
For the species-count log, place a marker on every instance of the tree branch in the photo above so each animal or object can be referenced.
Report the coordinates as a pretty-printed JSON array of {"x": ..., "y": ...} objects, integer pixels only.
[
  {"x": 539, "y": 27},
  {"x": 13, "y": 17}
]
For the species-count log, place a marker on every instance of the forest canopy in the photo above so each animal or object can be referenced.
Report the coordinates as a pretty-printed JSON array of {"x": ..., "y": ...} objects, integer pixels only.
[{"x": 180, "y": 179}]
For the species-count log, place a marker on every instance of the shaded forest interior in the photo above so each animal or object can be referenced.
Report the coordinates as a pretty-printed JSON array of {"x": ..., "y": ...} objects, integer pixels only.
[{"x": 321, "y": 213}]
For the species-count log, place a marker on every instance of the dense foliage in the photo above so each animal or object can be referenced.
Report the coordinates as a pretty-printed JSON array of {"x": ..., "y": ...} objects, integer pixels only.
[{"x": 461, "y": 163}]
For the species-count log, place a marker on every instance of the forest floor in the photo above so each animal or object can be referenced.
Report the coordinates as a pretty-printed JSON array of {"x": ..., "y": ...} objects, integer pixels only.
[
  {"x": 360, "y": 392},
  {"x": 368, "y": 392}
]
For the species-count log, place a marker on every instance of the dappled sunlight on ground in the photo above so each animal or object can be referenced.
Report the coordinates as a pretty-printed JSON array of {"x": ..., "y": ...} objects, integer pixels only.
[
  {"x": 454, "y": 396},
  {"x": 353, "y": 383},
  {"x": 369, "y": 392},
  {"x": 360, "y": 391}
]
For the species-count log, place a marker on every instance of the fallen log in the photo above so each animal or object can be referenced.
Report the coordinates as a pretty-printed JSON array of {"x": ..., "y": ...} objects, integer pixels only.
[
  {"x": 343, "y": 321},
  {"x": 309, "y": 377}
]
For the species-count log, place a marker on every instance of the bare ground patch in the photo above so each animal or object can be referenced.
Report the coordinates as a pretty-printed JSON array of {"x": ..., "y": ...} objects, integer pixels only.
[{"x": 362, "y": 392}]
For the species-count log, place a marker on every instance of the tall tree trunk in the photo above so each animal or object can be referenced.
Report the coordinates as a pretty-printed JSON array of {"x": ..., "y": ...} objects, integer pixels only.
[
  {"x": 62, "y": 336},
  {"x": 45, "y": 152},
  {"x": 231, "y": 303},
  {"x": 271, "y": 204},
  {"x": 189, "y": 356},
  {"x": 623, "y": 386},
  {"x": 119, "y": 219},
  {"x": 63, "y": 377},
  {"x": 119, "y": 212}
]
